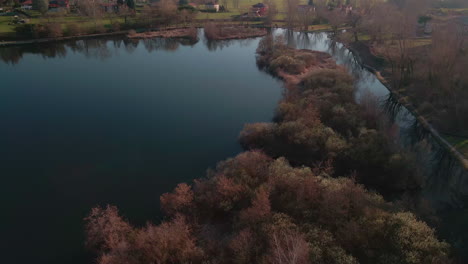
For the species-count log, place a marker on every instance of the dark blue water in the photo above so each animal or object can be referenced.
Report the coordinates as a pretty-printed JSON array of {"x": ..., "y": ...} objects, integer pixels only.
[{"x": 110, "y": 121}]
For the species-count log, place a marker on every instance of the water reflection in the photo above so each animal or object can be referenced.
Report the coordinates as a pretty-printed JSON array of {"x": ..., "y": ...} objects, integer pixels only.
[
  {"x": 446, "y": 182},
  {"x": 214, "y": 45},
  {"x": 391, "y": 107},
  {"x": 411, "y": 132},
  {"x": 100, "y": 48},
  {"x": 13, "y": 55},
  {"x": 80, "y": 132}
]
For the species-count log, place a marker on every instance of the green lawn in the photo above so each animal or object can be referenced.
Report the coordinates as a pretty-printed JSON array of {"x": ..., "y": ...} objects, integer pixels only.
[
  {"x": 221, "y": 15},
  {"x": 84, "y": 22},
  {"x": 4, "y": 27},
  {"x": 244, "y": 7}
]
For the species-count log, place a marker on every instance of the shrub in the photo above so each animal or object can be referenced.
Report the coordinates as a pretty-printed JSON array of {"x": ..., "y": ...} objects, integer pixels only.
[
  {"x": 74, "y": 29},
  {"x": 53, "y": 30},
  {"x": 25, "y": 30},
  {"x": 212, "y": 31},
  {"x": 287, "y": 64},
  {"x": 115, "y": 26}
]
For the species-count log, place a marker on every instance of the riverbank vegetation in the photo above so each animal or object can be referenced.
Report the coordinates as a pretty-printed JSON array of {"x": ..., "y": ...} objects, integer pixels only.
[
  {"x": 220, "y": 32},
  {"x": 294, "y": 195},
  {"x": 421, "y": 51},
  {"x": 255, "y": 209},
  {"x": 189, "y": 33},
  {"x": 319, "y": 122}
]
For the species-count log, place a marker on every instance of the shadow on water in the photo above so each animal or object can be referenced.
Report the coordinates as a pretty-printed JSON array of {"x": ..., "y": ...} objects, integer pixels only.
[
  {"x": 214, "y": 45},
  {"x": 391, "y": 107}
]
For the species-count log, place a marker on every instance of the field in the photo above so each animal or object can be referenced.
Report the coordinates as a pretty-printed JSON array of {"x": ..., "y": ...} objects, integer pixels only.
[
  {"x": 244, "y": 7},
  {"x": 4, "y": 27}
]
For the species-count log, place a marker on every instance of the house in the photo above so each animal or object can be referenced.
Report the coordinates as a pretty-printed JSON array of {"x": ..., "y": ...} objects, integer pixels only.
[
  {"x": 27, "y": 5},
  {"x": 62, "y": 4},
  {"x": 259, "y": 9},
  {"x": 212, "y": 6},
  {"x": 110, "y": 7},
  {"x": 193, "y": 5}
]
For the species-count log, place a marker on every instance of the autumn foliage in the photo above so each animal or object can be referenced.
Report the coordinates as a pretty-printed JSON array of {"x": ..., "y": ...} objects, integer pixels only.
[
  {"x": 319, "y": 123},
  {"x": 255, "y": 209},
  {"x": 282, "y": 201}
]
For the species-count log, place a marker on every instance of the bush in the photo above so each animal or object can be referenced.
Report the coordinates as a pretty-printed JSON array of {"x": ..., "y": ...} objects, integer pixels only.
[
  {"x": 99, "y": 29},
  {"x": 287, "y": 64},
  {"x": 115, "y": 26},
  {"x": 74, "y": 29},
  {"x": 254, "y": 209},
  {"x": 54, "y": 30},
  {"x": 26, "y": 30},
  {"x": 212, "y": 31}
]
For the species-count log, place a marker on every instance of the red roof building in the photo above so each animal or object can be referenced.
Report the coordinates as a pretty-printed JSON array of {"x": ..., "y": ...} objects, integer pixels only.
[{"x": 260, "y": 9}]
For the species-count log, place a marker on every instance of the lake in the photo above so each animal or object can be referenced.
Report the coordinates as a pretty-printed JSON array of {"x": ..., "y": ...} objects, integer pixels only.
[
  {"x": 93, "y": 122},
  {"x": 114, "y": 121}
]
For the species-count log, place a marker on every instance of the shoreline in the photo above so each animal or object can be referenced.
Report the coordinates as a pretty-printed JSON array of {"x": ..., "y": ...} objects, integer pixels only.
[
  {"x": 141, "y": 32},
  {"x": 48, "y": 40},
  {"x": 364, "y": 61}
]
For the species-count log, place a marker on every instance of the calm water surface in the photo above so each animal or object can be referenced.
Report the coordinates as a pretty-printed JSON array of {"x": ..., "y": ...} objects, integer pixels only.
[
  {"x": 121, "y": 122},
  {"x": 107, "y": 121}
]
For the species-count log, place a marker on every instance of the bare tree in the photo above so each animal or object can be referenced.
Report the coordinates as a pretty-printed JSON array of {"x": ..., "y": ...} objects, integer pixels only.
[
  {"x": 167, "y": 11},
  {"x": 445, "y": 54},
  {"x": 306, "y": 16},
  {"x": 291, "y": 7},
  {"x": 272, "y": 11},
  {"x": 225, "y": 4},
  {"x": 397, "y": 48},
  {"x": 288, "y": 247},
  {"x": 91, "y": 9},
  {"x": 235, "y": 4},
  {"x": 336, "y": 18}
]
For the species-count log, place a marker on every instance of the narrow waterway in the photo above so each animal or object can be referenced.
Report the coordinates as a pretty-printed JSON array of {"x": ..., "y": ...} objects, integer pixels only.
[{"x": 445, "y": 180}]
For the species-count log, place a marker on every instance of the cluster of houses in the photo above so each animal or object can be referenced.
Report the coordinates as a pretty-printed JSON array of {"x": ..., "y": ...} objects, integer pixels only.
[
  {"x": 257, "y": 10},
  {"x": 58, "y": 5},
  {"x": 109, "y": 6},
  {"x": 53, "y": 4}
]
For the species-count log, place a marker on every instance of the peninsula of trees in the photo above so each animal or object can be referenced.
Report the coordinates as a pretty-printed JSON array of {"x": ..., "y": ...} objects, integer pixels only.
[{"x": 297, "y": 195}]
